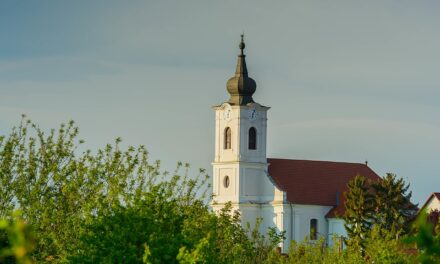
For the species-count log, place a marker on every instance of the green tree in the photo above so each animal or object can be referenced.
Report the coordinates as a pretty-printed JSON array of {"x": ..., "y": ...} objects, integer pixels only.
[
  {"x": 114, "y": 205},
  {"x": 312, "y": 252},
  {"x": 16, "y": 242},
  {"x": 393, "y": 207},
  {"x": 434, "y": 218},
  {"x": 61, "y": 190},
  {"x": 384, "y": 204},
  {"x": 7, "y": 151},
  {"x": 381, "y": 246},
  {"x": 161, "y": 230},
  {"x": 377, "y": 250},
  {"x": 425, "y": 239},
  {"x": 359, "y": 212}
]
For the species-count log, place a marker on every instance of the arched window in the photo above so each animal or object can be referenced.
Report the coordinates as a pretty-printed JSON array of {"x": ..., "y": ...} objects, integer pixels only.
[
  {"x": 227, "y": 141},
  {"x": 252, "y": 138},
  {"x": 313, "y": 229}
]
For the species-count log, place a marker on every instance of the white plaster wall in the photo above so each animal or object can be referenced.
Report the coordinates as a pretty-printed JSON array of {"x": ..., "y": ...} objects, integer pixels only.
[
  {"x": 295, "y": 221},
  {"x": 256, "y": 185},
  {"x": 282, "y": 222},
  {"x": 221, "y": 154},
  {"x": 250, "y": 189},
  {"x": 250, "y": 214},
  {"x": 335, "y": 229},
  {"x": 248, "y": 182},
  {"x": 260, "y": 124},
  {"x": 301, "y": 216},
  {"x": 246, "y": 169},
  {"x": 271, "y": 217},
  {"x": 433, "y": 204},
  {"x": 221, "y": 193},
  {"x": 240, "y": 123}
]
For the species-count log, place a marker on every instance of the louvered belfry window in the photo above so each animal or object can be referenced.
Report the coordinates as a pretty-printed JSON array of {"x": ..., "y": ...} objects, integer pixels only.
[
  {"x": 252, "y": 138},
  {"x": 227, "y": 141}
]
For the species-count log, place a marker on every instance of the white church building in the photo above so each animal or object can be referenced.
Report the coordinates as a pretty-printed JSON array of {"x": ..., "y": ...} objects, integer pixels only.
[{"x": 304, "y": 198}]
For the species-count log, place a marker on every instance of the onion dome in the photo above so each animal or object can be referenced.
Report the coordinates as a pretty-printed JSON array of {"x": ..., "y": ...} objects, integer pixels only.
[{"x": 241, "y": 87}]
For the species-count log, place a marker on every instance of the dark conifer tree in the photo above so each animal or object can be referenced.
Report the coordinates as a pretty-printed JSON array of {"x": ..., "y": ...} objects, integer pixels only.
[
  {"x": 359, "y": 212},
  {"x": 393, "y": 208}
]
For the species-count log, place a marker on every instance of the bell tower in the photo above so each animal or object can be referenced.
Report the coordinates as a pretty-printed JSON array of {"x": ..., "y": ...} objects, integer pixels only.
[{"x": 240, "y": 164}]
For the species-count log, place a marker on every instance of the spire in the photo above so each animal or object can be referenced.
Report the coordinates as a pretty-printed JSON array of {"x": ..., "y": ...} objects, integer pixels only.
[
  {"x": 241, "y": 87},
  {"x": 241, "y": 63}
]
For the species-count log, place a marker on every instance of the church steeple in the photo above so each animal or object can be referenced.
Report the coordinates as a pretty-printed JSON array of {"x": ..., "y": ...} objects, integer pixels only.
[{"x": 241, "y": 87}]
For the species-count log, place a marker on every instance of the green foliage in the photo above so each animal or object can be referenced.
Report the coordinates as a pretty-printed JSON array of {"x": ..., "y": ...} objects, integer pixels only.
[
  {"x": 175, "y": 233},
  {"x": 359, "y": 212},
  {"x": 384, "y": 204},
  {"x": 16, "y": 241},
  {"x": 377, "y": 250},
  {"x": 114, "y": 205},
  {"x": 393, "y": 207},
  {"x": 46, "y": 181},
  {"x": 316, "y": 252},
  {"x": 426, "y": 241},
  {"x": 436, "y": 215},
  {"x": 383, "y": 247}
]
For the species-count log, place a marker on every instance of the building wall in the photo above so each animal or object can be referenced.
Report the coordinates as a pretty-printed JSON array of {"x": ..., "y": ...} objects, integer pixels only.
[
  {"x": 433, "y": 204},
  {"x": 240, "y": 122},
  {"x": 251, "y": 190},
  {"x": 245, "y": 168},
  {"x": 301, "y": 216},
  {"x": 248, "y": 183},
  {"x": 336, "y": 229},
  {"x": 294, "y": 219}
]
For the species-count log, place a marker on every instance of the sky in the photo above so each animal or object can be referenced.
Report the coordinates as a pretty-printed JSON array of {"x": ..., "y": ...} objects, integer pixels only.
[{"x": 346, "y": 80}]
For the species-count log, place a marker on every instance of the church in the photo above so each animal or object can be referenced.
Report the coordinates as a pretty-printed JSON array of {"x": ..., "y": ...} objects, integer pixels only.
[{"x": 303, "y": 198}]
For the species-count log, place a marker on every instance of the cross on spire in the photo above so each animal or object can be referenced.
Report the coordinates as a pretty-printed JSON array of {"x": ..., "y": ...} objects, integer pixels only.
[{"x": 242, "y": 45}]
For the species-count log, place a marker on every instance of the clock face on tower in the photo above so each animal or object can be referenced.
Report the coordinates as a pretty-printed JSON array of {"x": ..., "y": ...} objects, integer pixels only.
[
  {"x": 253, "y": 114},
  {"x": 227, "y": 114}
]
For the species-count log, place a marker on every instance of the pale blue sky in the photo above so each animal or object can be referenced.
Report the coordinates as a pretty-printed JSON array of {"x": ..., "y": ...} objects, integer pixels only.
[{"x": 346, "y": 80}]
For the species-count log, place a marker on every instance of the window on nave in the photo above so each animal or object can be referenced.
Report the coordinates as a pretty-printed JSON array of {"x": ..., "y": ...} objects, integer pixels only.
[{"x": 313, "y": 229}]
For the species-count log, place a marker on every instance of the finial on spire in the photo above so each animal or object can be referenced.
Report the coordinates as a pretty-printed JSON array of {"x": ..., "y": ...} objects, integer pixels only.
[{"x": 242, "y": 45}]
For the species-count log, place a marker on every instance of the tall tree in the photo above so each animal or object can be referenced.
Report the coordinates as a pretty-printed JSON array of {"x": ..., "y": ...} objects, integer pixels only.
[
  {"x": 393, "y": 207},
  {"x": 384, "y": 204},
  {"x": 359, "y": 212}
]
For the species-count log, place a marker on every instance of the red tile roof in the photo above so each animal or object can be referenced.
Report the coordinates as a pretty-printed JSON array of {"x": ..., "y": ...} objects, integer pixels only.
[{"x": 317, "y": 182}]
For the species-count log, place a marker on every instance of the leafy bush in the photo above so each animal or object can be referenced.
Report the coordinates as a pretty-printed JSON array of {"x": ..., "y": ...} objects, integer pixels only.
[
  {"x": 426, "y": 241},
  {"x": 114, "y": 205},
  {"x": 16, "y": 240}
]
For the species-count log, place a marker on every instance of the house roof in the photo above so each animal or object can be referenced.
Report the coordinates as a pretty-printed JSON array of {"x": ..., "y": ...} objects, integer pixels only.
[
  {"x": 317, "y": 182},
  {"x": 435, "y": 194}
]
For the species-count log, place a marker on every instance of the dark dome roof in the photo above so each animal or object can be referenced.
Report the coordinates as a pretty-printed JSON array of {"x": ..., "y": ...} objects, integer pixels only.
[{"x": 241, "y": 87}]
